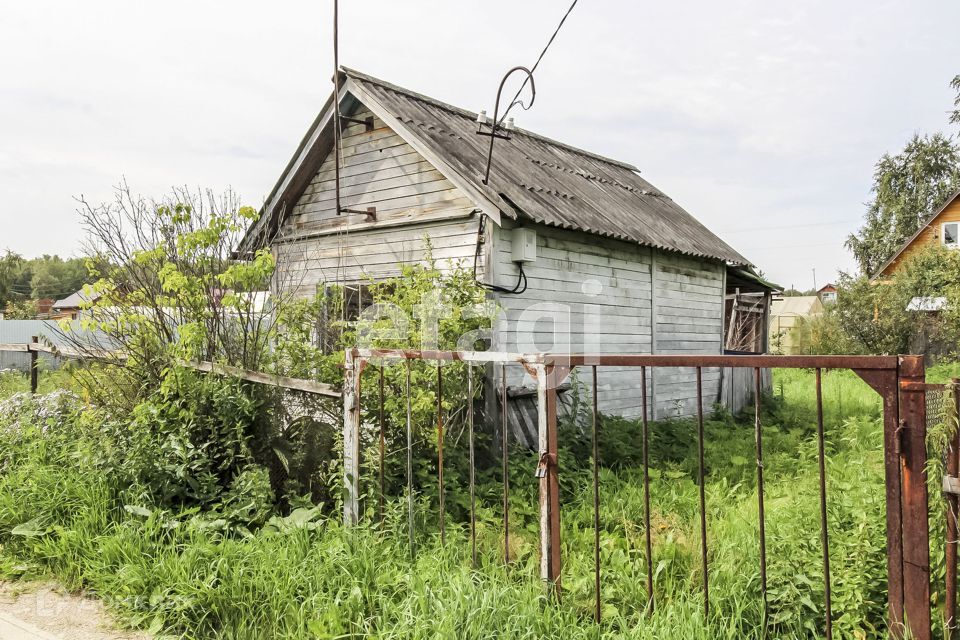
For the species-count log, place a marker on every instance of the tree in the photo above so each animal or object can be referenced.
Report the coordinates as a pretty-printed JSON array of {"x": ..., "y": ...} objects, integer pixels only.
[
  {"x": 11, "y": 268},
  {"x": 54, "y": 277},
  {"x": 955, "y": 116},
  {"x": 22, "y": 310},
  {"x": 907, "y": 188}
]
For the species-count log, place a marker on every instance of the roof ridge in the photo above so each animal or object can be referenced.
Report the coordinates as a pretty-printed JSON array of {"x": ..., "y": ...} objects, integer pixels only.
[
  {"x": 473, "y": 116},
  {"x": 923, "y": 227}
]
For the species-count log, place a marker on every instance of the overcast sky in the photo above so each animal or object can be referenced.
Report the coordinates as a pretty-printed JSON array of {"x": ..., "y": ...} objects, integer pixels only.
[{"x": 761, "y": 118}]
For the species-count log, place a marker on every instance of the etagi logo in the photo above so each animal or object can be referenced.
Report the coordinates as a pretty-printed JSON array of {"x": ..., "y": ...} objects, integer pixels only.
[{"x": 515, "y": 324}]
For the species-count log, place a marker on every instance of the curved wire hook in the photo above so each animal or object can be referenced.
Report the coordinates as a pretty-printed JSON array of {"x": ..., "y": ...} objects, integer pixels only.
[{"x": 496, "y": 110}]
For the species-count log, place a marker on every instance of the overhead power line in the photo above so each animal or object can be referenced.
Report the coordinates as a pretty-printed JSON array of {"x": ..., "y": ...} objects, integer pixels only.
[
  {"x": 535, "y": 64},
  {"x": 789, "y": 226}
]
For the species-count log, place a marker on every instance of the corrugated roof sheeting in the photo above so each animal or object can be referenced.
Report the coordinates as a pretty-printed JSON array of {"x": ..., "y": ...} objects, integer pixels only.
[{"x": 552, "y": 183}]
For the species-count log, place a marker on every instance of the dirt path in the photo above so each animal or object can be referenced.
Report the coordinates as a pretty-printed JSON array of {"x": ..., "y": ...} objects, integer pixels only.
[{"x": 44, "y": 611}]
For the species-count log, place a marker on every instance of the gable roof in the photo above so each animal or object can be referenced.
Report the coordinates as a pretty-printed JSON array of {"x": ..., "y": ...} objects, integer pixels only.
[
  {"x": 532, "y": 177},
  {"x": 923, "y": 227},
  {"x": 796, "y": 306},
  {"x": 74, "y": 300}
]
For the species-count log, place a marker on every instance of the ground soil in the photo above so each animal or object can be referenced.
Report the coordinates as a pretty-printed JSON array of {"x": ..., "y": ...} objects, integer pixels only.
[{"x": 49, "y": 608}]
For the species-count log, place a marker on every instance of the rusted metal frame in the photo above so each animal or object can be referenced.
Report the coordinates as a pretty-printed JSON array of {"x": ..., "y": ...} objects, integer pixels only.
[
  {"x": 383, "y": 443},
  {"x": 865, "y": 363},
  {"x": 953, "y": 503},
  {"x": 410, "y": 511},
  {"x": 440, "y": 486},
  {"x": 452, "y": 356},
  {"x": 824, "y": 536},
  {"x": 913, "y": 457},
  {"x": 861, "y": 363},
  {"x": 473, "y": 477},
  {"x": 353, "y": 368},
  {"x": 910, "y": 385},
  {"x": 646, "y": 489},
  {"x": 885, "y": 384},
  {"x": 701, "y": 468},
  {"x": 548, "y": 378},
  {"x": 596, "y": 501},
  {"x": 505, "y": 463},
  {"x": 758, "y": 437}
]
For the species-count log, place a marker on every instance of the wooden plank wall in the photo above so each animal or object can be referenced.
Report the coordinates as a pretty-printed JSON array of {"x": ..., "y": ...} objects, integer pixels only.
[
  {"x": 689, "y": 300},
  {"x": 413, "y": 201},
  {"x": 737, "y": 388},
  {"x": 598, "y": 295}
]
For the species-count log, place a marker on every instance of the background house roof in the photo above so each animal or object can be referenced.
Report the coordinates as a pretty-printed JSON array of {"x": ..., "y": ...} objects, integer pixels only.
[
  {"x": 538, "y": 179},
  {"x": 74, "y": 300},
  {"x": 923, "y": 227},
  {"x": 796, "y": 306}
]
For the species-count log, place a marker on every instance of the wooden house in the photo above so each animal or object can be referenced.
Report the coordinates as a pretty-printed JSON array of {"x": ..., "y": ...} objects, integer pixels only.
[
  {"x": 71, "y": 307},
  {"x": 827, "y": 293},
  {"x": 941, "y": 227},
  {"x": 581, "y": 252}
]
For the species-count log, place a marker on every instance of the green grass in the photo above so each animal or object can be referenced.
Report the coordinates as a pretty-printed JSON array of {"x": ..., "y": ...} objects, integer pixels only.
[
  {"x": 177, "y": 574},
  {"x": 12, "y": 381}
]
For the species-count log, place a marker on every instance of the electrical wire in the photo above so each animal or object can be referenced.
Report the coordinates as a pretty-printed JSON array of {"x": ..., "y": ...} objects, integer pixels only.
[
  {"x": 518, "y": 288},
  {"x": 535, "y": 64}
]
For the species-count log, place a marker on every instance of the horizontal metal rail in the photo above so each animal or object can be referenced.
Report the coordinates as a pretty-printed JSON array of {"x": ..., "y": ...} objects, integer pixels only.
[{"x": 872, "y": 363}]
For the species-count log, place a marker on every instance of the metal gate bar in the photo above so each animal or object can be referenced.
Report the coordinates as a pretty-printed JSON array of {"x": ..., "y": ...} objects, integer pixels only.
[
  {"x": 701, "y": 481},
  {"x": 758, "y": 436},
  {"x": 824, "y": 536},
  {"x": 646, "y": 489},
  {"x": 899, "y": 380}
]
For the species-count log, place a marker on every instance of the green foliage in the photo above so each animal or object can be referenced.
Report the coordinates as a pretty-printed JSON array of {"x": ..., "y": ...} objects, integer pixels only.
[
  {"x": 872, "y": 318},
  {"x": 908, "y": 187},
  {"x": 53, "y": 277},
  {"x": 955, "y": 115},
  {"x": 48, "y": 276},
  {"x": 22, "y": 310},
  {"x": 186, "y": 445}
]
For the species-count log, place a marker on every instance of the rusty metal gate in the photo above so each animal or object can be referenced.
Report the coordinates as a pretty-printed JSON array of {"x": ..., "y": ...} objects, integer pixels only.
[{"x": 900, "y": 382}]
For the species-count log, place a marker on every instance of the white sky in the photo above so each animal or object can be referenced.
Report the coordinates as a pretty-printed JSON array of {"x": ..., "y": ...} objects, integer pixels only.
[{"x": 763, "y": 119}]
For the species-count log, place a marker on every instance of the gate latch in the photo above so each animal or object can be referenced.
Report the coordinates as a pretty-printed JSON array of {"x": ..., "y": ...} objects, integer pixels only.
[{"x": 545, "y": 460}]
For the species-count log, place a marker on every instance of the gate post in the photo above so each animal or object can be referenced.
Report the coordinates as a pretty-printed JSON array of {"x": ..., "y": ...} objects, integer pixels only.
[
  {"x": 34, "y": 365},
  {"x": 913, "y": 460},
  {"x": 548, "y": 378},
  {"x": 952, "y": 470},
  {"x": 351, "y": 438}
]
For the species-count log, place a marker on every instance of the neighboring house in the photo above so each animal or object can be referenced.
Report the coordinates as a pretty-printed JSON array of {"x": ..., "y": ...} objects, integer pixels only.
[
  {"x": 785, "y": 315},
  {"x": 72, "y": 306},
  {"x": 600, "y": 260},
  {"x": 827, "y": 293},
  {"x": 942, "y": 227}
]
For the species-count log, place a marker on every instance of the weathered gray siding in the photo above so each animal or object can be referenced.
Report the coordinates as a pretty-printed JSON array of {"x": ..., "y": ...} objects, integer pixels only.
[
  {"x": 413, "y": 201},
  {"x": 599, "y": 297},
  {"x": 688, "y": 304}
]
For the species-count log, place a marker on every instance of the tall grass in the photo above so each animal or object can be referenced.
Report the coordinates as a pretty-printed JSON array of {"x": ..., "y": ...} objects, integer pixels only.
[{"x": 305, "y": 576}]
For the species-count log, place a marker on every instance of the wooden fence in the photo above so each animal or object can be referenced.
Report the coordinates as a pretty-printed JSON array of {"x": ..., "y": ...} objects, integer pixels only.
[{"x": 34, "y": 348}]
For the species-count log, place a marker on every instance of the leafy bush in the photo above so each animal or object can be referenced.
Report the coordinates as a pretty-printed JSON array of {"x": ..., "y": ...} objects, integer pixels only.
[{"x": 872, "y": 318}]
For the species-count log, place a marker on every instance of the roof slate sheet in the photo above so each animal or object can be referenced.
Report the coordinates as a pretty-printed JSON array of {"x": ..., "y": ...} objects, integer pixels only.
[{"x": 550, "y": 182}]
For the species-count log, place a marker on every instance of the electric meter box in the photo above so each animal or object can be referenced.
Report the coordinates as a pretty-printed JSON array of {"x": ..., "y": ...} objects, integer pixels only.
[{"x": 524, "y": 245}]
